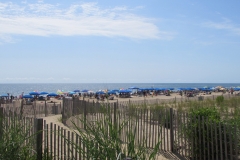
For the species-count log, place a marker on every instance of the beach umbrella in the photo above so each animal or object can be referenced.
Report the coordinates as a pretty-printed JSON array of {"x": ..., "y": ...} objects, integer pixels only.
[
  {"x": 27, "y": 96},
  {"x": 159, "y": 89},
  {"x": 42, "y": 93},
  {"x": 236, "y": 89},
  {"x": 59, "y": 92},
  {"x": 85, "y": 90},
  {"x": 133, "y": 88},
  {"x": 111, "y": 92},
  {"x": 52, "y": 94},
  {"x": 150, "y": 89},
  {"x": 34, "y": 93},
  {"x": 125, "y": 91},
  {"x": 207, "y": 90},
  {"x": 77, "y": 90},
  {"x": 100, "y": 92},
  {"x": 189, "y": 89},
  {"x": 142, "y": 89},
  {"x": 71, "y": 92},
  {"x": 115, "y": 90},
  {"x": 4, "y": 95}
]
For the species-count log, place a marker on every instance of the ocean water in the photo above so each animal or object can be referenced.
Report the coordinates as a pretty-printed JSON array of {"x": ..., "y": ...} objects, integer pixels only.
[{"x": 17, "y": 89}]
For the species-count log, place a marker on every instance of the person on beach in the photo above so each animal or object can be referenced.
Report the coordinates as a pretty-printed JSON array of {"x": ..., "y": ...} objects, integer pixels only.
[
  {"x": 181, "y": 92},
  {"x": 231, "y": 90}
]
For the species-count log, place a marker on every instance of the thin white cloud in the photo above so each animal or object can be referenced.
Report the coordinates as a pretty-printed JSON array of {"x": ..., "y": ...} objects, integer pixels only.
[
  {"x": 21, "y": 78},
  {"x": 225, "y": 25},
  {"x": 66, "y": 79},
  {"x": 43, "y": 19}
]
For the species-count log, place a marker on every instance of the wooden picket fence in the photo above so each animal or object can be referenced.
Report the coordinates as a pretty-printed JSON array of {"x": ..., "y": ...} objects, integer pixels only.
[
  {"x": 35, "y": 109},
  {"x": 206, "y": 140},
  {"x": 209, "y": 140}
]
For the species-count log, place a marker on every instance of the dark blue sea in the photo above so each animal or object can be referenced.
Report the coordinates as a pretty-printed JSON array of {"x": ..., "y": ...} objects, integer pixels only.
[{"x": 17, "y": 89}]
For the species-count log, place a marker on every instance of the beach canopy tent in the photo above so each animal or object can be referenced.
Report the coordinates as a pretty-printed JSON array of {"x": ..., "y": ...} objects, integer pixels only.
[
  {"x": 125, "y": 91},
  {"x": 4, "y": 95},
  {"x": 34, "y": 93},
  {"x": 42, "y": 93},
  {"x": 27, "y": 96},
  {"x": 52, "y": 94},
  {"x": 77, "y": 90}
]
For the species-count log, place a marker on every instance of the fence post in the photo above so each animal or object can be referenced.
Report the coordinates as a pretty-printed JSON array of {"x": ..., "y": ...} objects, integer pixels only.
[
  {"x": 85, "y": 114},
  {"x": 63, "y": 111},
  {"x": 115, "y": 114},
  {"x": 39, "y": 141},
  {"x": 46, "y": 110},
  {"x": 171, "y": 131},
  {"x": 55, "y": 108},
  {"x": 1, "y": 122},
  {"x": 34, "y": 105},
  {"x": 21, "y": 110}
]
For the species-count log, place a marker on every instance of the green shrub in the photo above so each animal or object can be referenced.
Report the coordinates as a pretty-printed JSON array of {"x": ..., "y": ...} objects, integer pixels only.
[
  {"x": 205, "y": 133},
  {"x": 219, "y": 100},
  {"x": 15, "y": 142}
]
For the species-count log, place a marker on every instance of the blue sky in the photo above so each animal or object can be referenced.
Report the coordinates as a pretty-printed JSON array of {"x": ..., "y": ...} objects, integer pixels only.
[{"x": 137, "y": 41}]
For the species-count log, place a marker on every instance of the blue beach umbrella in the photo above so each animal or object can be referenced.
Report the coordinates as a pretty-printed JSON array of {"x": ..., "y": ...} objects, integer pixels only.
[
  {"x": 34, "y": 93},
  {"x": 189, "y": 89},
  {"x": 77, "y": 90},
  {"x": 125, "y": 91},
  {"x": 160, "y": 89},
  {"x": 143, "y": 89},
  {"x": 150, "y": 89},
  {"x": 100, "y": 92},
  {"x": 27, "y": 96},
  {"x": 207, "y": 90},
  {"x": 115, "y": 90},
  {"x": 42, "y": 93},
  {"x": 71, "y": 92},
  {"x": 4, "y": 95},
  {"x": 85, "y": 90},
  {"x": 133, "y": 88},
  {"x": 236, "y": 89},
  {"x": 52, "y": 94},
  {"x": 181, "y": 89},
  {"x": 111, "y": 92}
]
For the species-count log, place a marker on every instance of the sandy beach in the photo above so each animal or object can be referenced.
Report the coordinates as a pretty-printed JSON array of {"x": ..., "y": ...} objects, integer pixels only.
[{"x": 161, "y": 97}]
